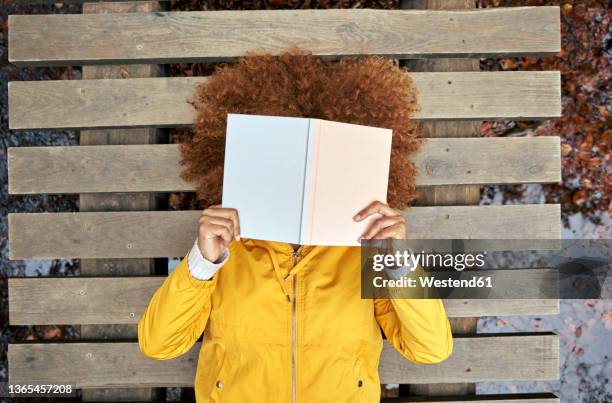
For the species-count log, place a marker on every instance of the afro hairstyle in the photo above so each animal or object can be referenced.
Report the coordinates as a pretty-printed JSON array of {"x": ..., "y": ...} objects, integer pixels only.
[{"x": 372, "y": 91}]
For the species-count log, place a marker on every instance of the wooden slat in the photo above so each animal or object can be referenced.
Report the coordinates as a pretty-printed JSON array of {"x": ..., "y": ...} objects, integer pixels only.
[
  {"x": 171, "y": 233},
  {"x": 121, "y": 300},
  {"x": 155, "y": 168},
  {"x": 475, "y": 359},
  {"x": 121, "y": 364},
  {"x": 514, "y": 398},
  {"x": 166, "y": 37},
  {"x": 162, "y": 102},
  {"x": 456, "y": 161}
]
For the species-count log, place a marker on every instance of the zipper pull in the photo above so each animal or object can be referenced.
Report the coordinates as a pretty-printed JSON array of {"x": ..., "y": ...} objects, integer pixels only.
[{"x": 296, "y": 255}]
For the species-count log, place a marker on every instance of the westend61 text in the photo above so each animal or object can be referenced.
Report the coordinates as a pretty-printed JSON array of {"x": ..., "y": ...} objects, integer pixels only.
[{"x": 432, "y": 282}]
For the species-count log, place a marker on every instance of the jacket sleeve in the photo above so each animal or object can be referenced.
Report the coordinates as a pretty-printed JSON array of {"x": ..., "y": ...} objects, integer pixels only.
[
  {"x": 176, "y": 315},
  {"x": 417, "y": 328}
]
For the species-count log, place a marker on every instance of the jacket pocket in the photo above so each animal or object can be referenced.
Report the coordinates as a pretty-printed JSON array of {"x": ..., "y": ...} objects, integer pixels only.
[
  {"x": 212, "y": 377},
  {"x": 362, "y": 382}
]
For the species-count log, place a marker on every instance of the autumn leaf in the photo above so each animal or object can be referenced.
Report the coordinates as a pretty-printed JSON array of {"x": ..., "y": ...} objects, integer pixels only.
[{"x": 579, "y": 197}]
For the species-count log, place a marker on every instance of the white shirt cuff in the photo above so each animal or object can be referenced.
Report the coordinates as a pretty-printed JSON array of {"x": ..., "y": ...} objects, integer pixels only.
[{"x": 201, "y": 268}]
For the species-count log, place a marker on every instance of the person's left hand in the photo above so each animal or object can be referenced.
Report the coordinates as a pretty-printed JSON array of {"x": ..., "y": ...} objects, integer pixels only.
[{"x": 391, "y": 225}]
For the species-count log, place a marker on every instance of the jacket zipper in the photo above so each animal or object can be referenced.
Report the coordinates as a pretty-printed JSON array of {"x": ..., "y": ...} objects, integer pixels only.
[{"x": 296, "y": 254}]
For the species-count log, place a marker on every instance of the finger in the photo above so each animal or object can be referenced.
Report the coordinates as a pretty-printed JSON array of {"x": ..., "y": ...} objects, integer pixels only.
[
  {"x": 393, "y": 232},
  {"x": 230, "y": 213},
  {"x": 378, "y": 225},
  {"x": 219, "y": 211},
  {"x": 221, "y": 231},
  {"x": 381, "y": 224},
  {"x": 226, "y": 222},
  {"x": 373, "y": 208},
  {"x": 207, "y": 221}
]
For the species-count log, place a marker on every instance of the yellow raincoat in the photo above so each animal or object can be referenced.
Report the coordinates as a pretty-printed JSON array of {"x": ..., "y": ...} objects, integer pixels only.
[{"x": 287, "y": 327}]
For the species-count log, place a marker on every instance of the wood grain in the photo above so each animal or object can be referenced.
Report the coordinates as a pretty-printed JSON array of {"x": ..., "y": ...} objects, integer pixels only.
[
  {"x": 155, "y": 168},
  {"x": 171, "y": 233},
  {"x": 164, "y": 37},
  {"x": 494, "y": 358},
  {"x": 121, "y": 364},
  {"x": 170, "y": 37},
  {"x": 162, "y": 102},
  {"x": 483, "y": 161},
  {"x": 446, "y": 194},
  {"x": 98, "y": 365},
  {"x": 514, "y": 398},
  {"x": 118, "y": 202},
  {"x": 121, "y": 300}
]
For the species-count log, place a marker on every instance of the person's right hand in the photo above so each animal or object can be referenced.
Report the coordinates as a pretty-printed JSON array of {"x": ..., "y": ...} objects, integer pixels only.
[{"x": 218, "y": 226}]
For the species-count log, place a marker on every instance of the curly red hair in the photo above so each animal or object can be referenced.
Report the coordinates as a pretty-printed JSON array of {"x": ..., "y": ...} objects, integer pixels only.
[{"x": 371, "y": 91}]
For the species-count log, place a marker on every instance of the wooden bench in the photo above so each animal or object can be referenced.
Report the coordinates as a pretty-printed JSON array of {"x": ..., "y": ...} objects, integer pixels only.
[{"x": 99, "y": 105}]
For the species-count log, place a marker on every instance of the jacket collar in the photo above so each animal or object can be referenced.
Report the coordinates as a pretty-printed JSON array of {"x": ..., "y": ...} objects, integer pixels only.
[{"x": 282, "y": 248}]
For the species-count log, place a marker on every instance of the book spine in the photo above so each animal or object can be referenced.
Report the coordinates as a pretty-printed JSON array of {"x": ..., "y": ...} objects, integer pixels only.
[{"x": 310, "y": 175}]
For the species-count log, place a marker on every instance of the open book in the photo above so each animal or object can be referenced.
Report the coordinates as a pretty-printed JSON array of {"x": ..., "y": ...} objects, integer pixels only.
[{"x": 300, "y": 180}]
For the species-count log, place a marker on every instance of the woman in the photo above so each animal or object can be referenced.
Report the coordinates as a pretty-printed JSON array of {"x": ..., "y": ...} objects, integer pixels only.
[{"x": 286, "y": 323}]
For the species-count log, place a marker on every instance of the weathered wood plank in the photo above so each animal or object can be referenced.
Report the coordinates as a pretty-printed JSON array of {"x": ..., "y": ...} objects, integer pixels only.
[
  {"x": 483, "y": 161},
  {"x": 494, "y": 358},
  {"x": 171, "y": 233},
  {"x": 534, "y": 221},
  {"x": 121, "y": 300},
  {"x": 96, "y": 169},
  {"x": 121, "y": 364},
  {"x": 167, "y": 37},
  {"x": 162, "y": 102},
  {"x": 486, "y": 96},
  {"x": 514, "y": 398},
  {"x": 155, "y": 168}
]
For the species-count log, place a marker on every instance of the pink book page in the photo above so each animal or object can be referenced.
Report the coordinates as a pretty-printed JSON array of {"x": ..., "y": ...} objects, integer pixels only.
[{"x": 349, "y": 170}]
